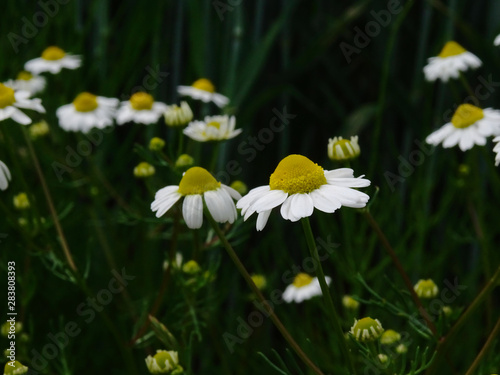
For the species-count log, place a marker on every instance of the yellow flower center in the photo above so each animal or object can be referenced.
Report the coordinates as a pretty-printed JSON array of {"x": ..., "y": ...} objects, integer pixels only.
[
  {"x": 162, "y": 357},
  {"x": 24, "y": 75},
  {"x": 466, "y": 115},
  {"x": 7, "y": 97},
  {"x": 301, "y": 280},
  {"x": 215, "y": 124},
  {"x": 297, "y": 174},
  {"x": 451, "y": 49},
  {"x": 426, "y": 288},
  {"x": 204, "y": 84},
  {"x": 367, "y": 329},
  {"x": 53, "y": 53},
  {"x": 141, "y": 100},
  {"x": 197, "y": 180},
  {"x": 85, "y": 102}
]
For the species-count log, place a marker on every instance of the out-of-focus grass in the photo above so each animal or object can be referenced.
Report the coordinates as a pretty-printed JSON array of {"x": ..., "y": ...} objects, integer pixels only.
[{"x": 263, "y": 55}]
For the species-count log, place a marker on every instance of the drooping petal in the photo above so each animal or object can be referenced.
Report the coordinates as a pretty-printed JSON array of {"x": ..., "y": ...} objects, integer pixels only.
[{"x": 192, "y": 211}]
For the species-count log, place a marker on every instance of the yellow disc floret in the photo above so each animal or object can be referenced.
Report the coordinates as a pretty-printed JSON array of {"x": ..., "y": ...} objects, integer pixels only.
[
  {"x": 466, "y": 115},
  {"x": 53, "y": 53},
  {"x": 426, "y": 288},
  {"x": 301, "y": 280},
  {"x": 215, "y": 124},
  {"x": 85, "y": 102},
  {"x": 204, "y": 84},
  {"x": 164, "y": 360},
  {"x": 197, "y": 180},
  {"x": 141, "y": 100},
  {"x": 7, "y": 97},
  {"x": 24, "y": 75},
  {"x": 297, "y": 174},
  {"x": 366, "y": 329},
  {"x": 451, "y": 49}
]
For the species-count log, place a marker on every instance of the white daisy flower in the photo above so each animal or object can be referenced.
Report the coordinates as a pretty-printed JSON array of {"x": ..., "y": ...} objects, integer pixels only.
[
  {"x": 343, "y": 149},
  {"x": 11, "y": 101},
  {"x": 4, "y": 176},
  {"x": 163, "y": 362},
  {"x": 204, "y": 90},
  {"x": 497, "y": 150},
  {"x": 496, "y": 42},
  {"x": 304, "y": 287},
  {"x": 452, "y": 60},
  {"x": 299, "y": 186},
  {"x": 53, "y": 60},
  {"x": 86, "y": 112},
  {"x": 198, "y": 186},
  {"x": 141, "y": 108},
  {"x": 213, "y": 128},
  {"x": 469, "y": 126},
  {"x": 26, "y": 81},
  {"x": 178, "y": 116}
]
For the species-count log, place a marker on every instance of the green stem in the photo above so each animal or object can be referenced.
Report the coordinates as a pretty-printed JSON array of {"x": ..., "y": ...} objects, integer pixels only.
[
  {"x": 326, "y": 294},
  {"x": 401, "y": 270},
  {"x": 467, "y": 86},
  {"x": 241, "y": 268},
  {"x": 485, "y": 348}
]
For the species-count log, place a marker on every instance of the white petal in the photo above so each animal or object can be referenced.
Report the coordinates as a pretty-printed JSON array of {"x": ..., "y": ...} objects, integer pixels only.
[
  {"x": 270, "y": 200},
  {"x": 262, "y": 218},
  {"x": 302, "y": 205},
  {"x": 192, "y": 211}
]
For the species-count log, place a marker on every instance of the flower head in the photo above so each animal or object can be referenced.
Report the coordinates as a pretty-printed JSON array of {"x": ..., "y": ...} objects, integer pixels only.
[
  {"x": 302, "y": 288},
  {"x": 389, "y": 337},
  {"x": 452, "y": 60},
  {"x": 15, "y": 368},
  {"x": 343, "y": 149},
  {"x": 39, "y": 129},
  {"x": 213, "y": 128},
  {"x": 87, "y": 111},
  {"x": 178, "y": 116},
  {"x": 497, "y": 150},
  {"x": 426, "y": 288},
  {"x": 401, "y": 349},
  {"x": 163, "y": 362},
  {"x": 53, "y": 59},
  {"x": 204, "y": 90},
  {"x": 144, "y": 170},
  {"x": 184, "y": 161},
  {"x": 469, "y": 126},
  {"x": 239, "y": 186},
  {"x": 366, "y": 329},
  {"x": 198, "y": 186},
  {"x": 350, "y": 303},
  {"x": 11, "y": 101},
  {"x": 21, "y": 201},
  {"x": 191, "y": 267},
  {"x": 26, "y": 81},
  {"x": 299, "y": 186},
  {"x": 4, "y": 176},
  {"x": 259, "y": 281},
  {"x": 140, "y": 108},
  {"x": 156, "y": 144},
  {"x": 496, "y": 42}
]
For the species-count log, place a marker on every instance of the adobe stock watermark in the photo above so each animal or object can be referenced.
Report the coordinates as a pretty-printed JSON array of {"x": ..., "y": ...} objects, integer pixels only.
[
  {"x": 255, "y": 319},
  {"x": 152, "y": 79},
  {"x": 372, "y": 29},
  {"x": 87, "y": 310},
  {"x": 448, "y": 295},
  {"x": 406, "y": 166},
  {"x": 30, "y": 27},
  {"x": 252, "y": 144},
  {"x": 224, "y": 6}
]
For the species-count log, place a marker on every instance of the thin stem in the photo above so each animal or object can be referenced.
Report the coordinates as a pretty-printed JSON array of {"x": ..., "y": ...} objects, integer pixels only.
[
  {"x": 326, "y": 293},
  {"x": 241, "y": 268},
  {"x": 487, "y": 344},
  {"x": 46, "y": 192},
  {"x": 467, "y": 86},
  {"x": 401, "y": 271}
]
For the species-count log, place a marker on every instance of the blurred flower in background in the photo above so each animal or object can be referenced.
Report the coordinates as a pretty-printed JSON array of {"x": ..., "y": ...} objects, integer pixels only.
[
  {"x": 178, "y": 116},
  {"x": 26, "y": 81},
  {"x": 303, "y": 287},
  {"x": 11, "y": 101},
  {"x": 213, "y": 128},
  {"x": 4, "y": 176},
  {"x": 204, "y": 90},
  {"x": 141, "y": 108},
  {"x": 53, "y": 60}
]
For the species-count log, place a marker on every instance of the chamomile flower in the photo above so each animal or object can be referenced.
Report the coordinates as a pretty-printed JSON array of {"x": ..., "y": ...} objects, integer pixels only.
[
  {"x": 204, "y": 90},
  {"x": 198, "y": 186},
  {"x": 26, "y": 81},
  {"x": 4, "y": 176},
  {"x": 299, "y": 186},
  {"x": 163, "y": 362},
  {"x": 426, "y": 288},
  {"x": 303, "y": 287},
  {"x": 15, "y": 368},
  {"x": 343, "y": 149},
  {"x": 178, "y": 116},
  {"x": 452, "y": 60},
  {"x": 496, "y": 42},
  {"x": 87, "y": 111},
  {"x": 11, "y": 101},
  {"x": 213, "y": 128},
  {"x": 469, "y": 126},
  {"x": 53, "y": 59},
  {"x": 497, "y": 150},
  {"x": 141, "y": 108},
  {"x": 366, "y": 329}
]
